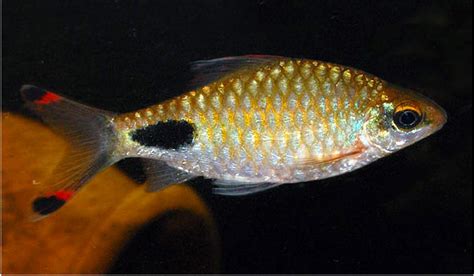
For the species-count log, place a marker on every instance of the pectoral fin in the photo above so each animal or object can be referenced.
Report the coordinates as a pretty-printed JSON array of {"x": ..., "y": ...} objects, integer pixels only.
[{"x": 312, "y": 162}]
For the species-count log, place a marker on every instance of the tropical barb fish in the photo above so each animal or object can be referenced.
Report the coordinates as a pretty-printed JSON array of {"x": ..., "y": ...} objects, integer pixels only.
[{"x": 250, "y": 122}]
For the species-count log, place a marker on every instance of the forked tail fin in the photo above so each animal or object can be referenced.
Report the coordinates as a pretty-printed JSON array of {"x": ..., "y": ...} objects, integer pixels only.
[{"x": 92, "y": 142}]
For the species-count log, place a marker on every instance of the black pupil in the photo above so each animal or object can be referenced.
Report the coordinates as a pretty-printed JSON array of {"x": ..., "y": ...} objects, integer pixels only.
[{"x": 407, "y": 119}]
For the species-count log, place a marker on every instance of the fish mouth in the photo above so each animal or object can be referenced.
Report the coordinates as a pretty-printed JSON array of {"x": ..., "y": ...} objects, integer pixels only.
[
  {"x": 436, "y": 114},
  {"x": 444, "y": 115},
  {"x": 428, "y": 131},
  {"x": 440, "y": 117}
]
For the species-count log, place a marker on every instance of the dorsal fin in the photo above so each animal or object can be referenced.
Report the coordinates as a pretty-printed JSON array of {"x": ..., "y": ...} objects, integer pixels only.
[{"x": 207, "y": 71}]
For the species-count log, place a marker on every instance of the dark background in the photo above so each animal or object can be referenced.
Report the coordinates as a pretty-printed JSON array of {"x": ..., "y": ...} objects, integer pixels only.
[{"x": 410, "y": 212}]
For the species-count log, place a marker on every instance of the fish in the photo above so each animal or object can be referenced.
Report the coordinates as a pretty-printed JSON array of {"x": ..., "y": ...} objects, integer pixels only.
[{"x": 249, "y": 123}]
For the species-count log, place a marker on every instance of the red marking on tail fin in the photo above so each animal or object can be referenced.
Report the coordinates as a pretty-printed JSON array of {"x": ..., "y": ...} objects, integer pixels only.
[
  {"x": 47, "y": 98},
  {"x": 63, "y": 195}
]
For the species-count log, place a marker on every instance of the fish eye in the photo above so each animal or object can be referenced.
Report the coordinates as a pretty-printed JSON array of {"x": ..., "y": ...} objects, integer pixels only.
[{"x": 407, "y": 118}]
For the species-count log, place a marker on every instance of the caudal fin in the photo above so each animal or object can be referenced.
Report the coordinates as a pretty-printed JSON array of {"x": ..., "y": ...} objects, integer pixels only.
[{"x": 92, "y": 141}]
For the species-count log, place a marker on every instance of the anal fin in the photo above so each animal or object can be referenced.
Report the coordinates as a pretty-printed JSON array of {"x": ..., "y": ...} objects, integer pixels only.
[
  {"x": 236, "y": 188},
  {"x": 160, "y": 175}
]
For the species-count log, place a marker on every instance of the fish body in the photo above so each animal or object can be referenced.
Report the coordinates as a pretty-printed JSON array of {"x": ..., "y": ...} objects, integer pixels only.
[
  {"x": 283, "y": 120},
  {"x": 255, "y": 122},
  {"x": 278, "y": 122}
]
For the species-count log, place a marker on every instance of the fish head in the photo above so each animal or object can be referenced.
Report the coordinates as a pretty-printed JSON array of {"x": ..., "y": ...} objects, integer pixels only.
[{"x": 400, "y": 117}]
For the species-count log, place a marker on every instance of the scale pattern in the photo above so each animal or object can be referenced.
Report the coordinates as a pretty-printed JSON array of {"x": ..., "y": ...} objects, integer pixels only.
[{"x": 261, "y": 121}]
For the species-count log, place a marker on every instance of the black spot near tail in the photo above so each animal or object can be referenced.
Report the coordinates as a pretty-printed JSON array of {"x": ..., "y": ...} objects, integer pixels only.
[
  {"x": 47, "y": 205},
  {"x": 166, "y": 135}
]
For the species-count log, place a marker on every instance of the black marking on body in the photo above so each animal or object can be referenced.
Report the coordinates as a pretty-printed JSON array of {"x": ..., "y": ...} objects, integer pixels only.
[
  {"x": 166, "y": 135},
  {"x": 47, "y": 205}
]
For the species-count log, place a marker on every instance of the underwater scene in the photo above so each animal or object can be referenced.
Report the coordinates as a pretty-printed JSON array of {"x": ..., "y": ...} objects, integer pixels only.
[{"x": 236, "y": 137}]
